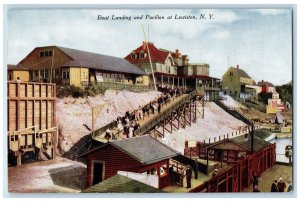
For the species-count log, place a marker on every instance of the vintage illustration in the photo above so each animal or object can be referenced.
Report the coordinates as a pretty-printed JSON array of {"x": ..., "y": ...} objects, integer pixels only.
[{"x": 149, "y": 100}]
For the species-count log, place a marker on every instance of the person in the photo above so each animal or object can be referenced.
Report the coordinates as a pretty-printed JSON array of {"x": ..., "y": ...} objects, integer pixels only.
[
  {"x": 274, "y": 187},
  {"x": 255, "y": 180},
  {"x": 215, "y": 172},
  {"x": 281, "y": 185},
  {"x": 188, "y": 176},
  {"x": 131, "y": 129},
  {"x": 120, "y": 126},
  {"x": 290, "y": 186},
  {"x": 159, "y": 108},
  {"x": 171, "y": 175},
  {"x": 255, "y": 189},
  {"x": 107, "y": 134},
  {"x": 196, "y": 169}
]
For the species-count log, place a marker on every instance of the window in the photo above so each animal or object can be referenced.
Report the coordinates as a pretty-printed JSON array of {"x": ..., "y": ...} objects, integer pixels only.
[
  {"x": 46, "y": 54},
  {"x": 65, "y": 74},
  {"x": 46, "y": 73},
  {"x": 10, "y": 77},
  {"x": 35, "y": 73},
  {"x": 231, "y": 73}
]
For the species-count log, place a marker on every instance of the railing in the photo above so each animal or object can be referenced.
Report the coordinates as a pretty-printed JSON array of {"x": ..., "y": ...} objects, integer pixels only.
[
  {"x": 241, "y": 174},
  {"x": 151, "y": 124}
]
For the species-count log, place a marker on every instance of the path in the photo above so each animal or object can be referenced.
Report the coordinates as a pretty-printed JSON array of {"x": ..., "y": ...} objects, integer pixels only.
[{"x": 267, "y": 178}]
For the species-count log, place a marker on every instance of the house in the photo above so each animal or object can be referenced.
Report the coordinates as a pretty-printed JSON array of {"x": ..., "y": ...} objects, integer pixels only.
[
  {"x": 66, "y": 66},
  {"x": 274, "y": 104},
  {"x": 234, "y": 82},
  {"x": 163, "y": 61},
  {"x": 266, "y": 87},
  {"x": 14, "y": 73},
  {"x": 238, "y": 148},
  {"x": 121, "y": 184},
  {"x": 173, "y": 68},
  {"x": 142, "y": 154}
]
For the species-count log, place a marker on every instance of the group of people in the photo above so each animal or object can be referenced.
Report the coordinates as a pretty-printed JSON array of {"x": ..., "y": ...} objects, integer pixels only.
[
  {"x": 279, "y": 186},
  {"x": 187, "y": 171},
  {"x": 130, "y": 121}
]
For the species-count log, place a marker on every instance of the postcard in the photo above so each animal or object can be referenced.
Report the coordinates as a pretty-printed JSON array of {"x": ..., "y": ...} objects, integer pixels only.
[{"x": 148, "y": 100}]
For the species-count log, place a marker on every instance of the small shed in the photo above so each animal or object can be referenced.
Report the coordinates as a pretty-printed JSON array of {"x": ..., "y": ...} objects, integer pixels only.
[
  {"x": 238, "y": 148},
  {"x": 121, "y": 184},
  {"x": 142, "y": 154},
  {"x": 277, "y": 118}
]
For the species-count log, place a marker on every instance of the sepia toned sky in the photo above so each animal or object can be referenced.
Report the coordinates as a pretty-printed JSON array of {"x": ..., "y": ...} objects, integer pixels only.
[{"x": 259, "y": 40}]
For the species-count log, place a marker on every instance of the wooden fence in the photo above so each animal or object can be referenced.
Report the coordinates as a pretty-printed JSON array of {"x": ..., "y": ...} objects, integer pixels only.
[{"x": 240, "y": 175}]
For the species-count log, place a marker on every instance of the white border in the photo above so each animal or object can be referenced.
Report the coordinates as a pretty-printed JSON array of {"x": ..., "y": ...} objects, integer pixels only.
[{"x": 115, "y": 3}]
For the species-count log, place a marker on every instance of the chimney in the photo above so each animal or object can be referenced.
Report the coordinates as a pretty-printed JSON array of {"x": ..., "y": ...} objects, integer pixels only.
[
  {"x": 238, "y": 66},
  {"x": 144, "y": 45},
  {"x": 177, "y": 53}
]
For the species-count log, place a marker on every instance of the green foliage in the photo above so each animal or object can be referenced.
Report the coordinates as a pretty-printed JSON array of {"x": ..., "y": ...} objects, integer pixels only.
[
  {"x": 76, "y": 92},
  {"x": 263, "y": 97},
  {"x": 285, "y": 93}
]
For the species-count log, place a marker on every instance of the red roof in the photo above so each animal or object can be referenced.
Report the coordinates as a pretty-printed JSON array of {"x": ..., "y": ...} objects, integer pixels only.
[{"x": 156, "y": 54}]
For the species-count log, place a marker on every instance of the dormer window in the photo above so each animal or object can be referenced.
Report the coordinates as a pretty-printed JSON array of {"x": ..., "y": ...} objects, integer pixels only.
[
  {"x": 46, "y": 54},
  {"x": 133, "y": 56}
]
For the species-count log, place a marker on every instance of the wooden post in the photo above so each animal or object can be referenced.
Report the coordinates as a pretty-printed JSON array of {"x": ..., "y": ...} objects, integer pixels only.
[
  {"x": 190, "y": 111},
  {"x": 184, "y": 114},
  {"x": 164, "y": 124},
  {"x": 172, "y": 122},
  {"x": 227, "y": 182},
  {"x": 203, "y": 108},
  {"x": 178, "y": 115},
  {"x": 207, "y": 153},
  {"x": 19, "y": 159}
]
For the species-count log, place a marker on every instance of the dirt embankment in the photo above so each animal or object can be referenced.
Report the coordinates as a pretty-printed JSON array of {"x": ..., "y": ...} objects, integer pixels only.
[{"x": 74, "y": 115}]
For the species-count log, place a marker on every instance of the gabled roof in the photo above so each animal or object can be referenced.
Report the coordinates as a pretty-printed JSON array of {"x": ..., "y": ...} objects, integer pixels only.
[
  {"x": 244, "y": 144},
  {"x": 277, "y": 118},
  {"x": 99, "y": 61},
  {"x": 156, "y": 54},
  {"x": 258, "y": 143},
  {"x": 121, "y": 184},
  {"x": 263, "y": 83},
  {"x": 16, "y": 67},
  {"x": 241, "y": 73},
  {"x": 144, "y": 149}
]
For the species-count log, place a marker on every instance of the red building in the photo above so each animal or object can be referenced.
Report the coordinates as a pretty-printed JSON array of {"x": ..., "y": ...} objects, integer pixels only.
[
  {"x": 139, "y": 154},
  {"x": 266, "y": 87}
]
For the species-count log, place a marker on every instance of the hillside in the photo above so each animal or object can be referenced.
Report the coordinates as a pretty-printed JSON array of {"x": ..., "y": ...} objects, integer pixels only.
[{"x": 74, "y": 115}]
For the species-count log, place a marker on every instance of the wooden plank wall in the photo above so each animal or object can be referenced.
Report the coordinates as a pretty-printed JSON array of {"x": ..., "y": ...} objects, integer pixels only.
[{"x": 30, "y": 104}]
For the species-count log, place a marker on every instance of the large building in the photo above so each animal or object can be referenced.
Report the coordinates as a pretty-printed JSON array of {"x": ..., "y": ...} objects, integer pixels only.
[
  {"x": 65, "y": 66},
  {"x": 163, "y": 61},
  {"x": 173, "y": 68},
  {"x": 237, "y": 83}
]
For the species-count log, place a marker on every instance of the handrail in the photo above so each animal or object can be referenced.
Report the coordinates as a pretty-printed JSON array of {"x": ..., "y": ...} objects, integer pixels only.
[{"x": 152, "y": 123}]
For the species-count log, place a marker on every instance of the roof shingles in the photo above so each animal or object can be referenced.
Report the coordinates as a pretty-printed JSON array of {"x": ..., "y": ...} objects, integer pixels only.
[
  {"x": 99, "y": 61},
  {"x": 121, "y": 184}
]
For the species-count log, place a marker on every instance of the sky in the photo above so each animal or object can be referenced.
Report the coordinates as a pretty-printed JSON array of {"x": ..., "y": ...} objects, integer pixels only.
[{"x": 258, "y": 40}]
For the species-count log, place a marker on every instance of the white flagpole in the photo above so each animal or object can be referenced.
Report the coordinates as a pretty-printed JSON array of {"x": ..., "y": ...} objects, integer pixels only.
[{"x": 149, "y": 59}]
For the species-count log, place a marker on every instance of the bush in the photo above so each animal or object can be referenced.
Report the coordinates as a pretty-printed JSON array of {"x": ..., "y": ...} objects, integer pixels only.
[{"x": 76, "y": 92}]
